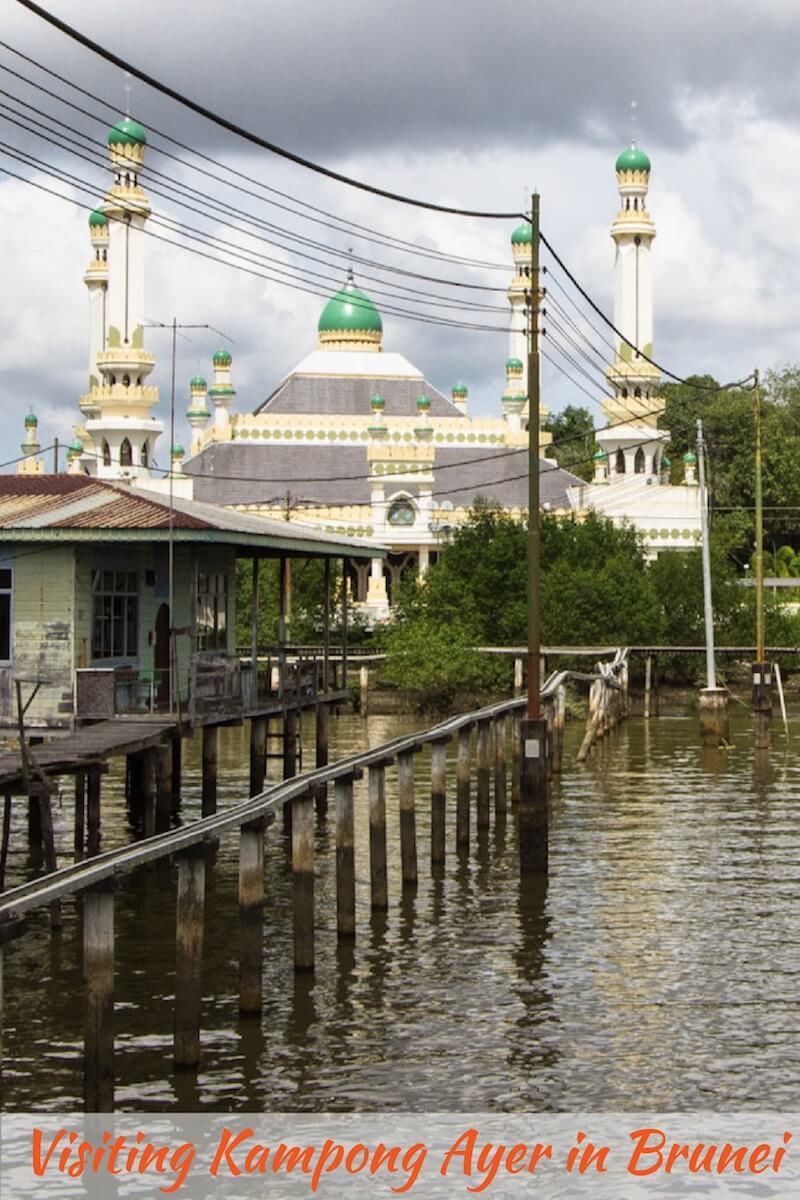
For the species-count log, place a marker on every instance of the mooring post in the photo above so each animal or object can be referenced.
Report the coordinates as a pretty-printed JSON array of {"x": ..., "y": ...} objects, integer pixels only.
[
  {"x": 500, "y": 789},
  {"x": 762, "y": 704},
  {"x": 163, "y": 762},
  {"x": 321, "y": 755},
  {"x": 258, "y": 754},
  {"x": 483, "y": 774},
  {"x": 93, "y": 810},
  {"x": 376, "y": 786},
  {"x": 714, "y": 719},
  {"x": 289, "y": 760},
  {"x": 149, "y": 791},
  {"x": 648, "y": 683},
  {"x": 98, "y": 970},
  {"x": 251, "y": 916},
  {"x": 301, "y": 824},
  {"x": 438, "y": 800},
  {"x": 345, "y": 859},
  {"x": 363, "y": 689},
  {"x": 557, "y": 730},
  {"x": 177, "y": 771},
  {"x": 534, "y": 798},
  {"x": 80, "y": 815},
  {"x": 189, "y": 929},
  {"x": 516, "y": 756},
  {"x": 517, "y": 676},
  {"x": 408, "y": 817},
  {"x": 209, "y": 779},
  {"x": 463, "y": 784}
]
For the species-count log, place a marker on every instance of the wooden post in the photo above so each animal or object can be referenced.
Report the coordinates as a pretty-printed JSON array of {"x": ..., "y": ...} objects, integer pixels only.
[
  {"x": 557, "y": 730},
  {"x": 80, "y": 815},
  {"x": 93, "y": 810},
  {"x": 190, "y": 923},
  {"x": 438, "y": 800},
  {"x": 516, "y": 756},
  {"x": 345, "y": 859},
  {"x": 148, "y": 794},
  {"x": 163, "y": 762},
  {"x": 363, "y": 689},
  {"x": 463, "y": 784},
  {"x": 517, "y": 676},
  {"x": 302, "y": 834},
  {"x": 289, "y": 759},
  {"x": 533, "y": 808},
  {"x": 379, "y": 887},
  {"x": 500, "y": 792},
  {"x": 321, "y": 757},
  {"x": 209, "y": 781},
  {"x": 656, "y": 689},
  {"x": 258, "y": 754},
  {"x": 408, "y": 818},
  {"x": 483, "y": 774},
  {"x": 7, "y": 801},
  {"x": 177, "y": 771},
  {"x": 251, "y": 916},
  {"x": 648, "y": 682},
  {"x": 98, "y": 970},
  {"x": 34, "y": 825}
]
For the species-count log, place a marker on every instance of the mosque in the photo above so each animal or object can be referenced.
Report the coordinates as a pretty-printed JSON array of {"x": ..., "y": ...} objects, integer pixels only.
[{"x": 355, "y": 439}]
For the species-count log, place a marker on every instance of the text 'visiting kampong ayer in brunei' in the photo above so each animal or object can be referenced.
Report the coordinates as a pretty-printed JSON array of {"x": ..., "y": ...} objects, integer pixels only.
[{"x": 371, "y": 449}]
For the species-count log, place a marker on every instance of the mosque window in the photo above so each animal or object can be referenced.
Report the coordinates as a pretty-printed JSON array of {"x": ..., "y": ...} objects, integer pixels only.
[
  {"x": 106, "y": 454},
  {"x": 126, "y": 381},
  {"x": 144, "y": 455},
  {"x": 637, "y": 393},
  {"x": 402, "y": 512},
  {"x": 624, "y": 393},
  {"x": 125, "y": 454},
  {"x": 638, "y": 462},
  {"x": 620, "y": 463}
]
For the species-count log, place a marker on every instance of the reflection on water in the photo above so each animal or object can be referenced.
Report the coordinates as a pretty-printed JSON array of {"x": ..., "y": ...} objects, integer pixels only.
[{"x": 658, "y": 967}]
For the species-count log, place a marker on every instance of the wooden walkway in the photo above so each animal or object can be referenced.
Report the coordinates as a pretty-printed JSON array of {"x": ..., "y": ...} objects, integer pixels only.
[{"x": 89, "y": 745}]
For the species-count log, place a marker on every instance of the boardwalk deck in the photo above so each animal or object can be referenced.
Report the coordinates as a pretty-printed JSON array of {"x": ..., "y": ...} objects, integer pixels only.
[{"x": 92, "y": 743}]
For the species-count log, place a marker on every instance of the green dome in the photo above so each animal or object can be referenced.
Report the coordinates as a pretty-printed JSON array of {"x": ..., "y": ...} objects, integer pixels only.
[
  {"x": 97, "y": 219},
  {"x": 222, "y": 358},
  {"x": 633, "y": 159},
  {"x": 460, "y": 389},
  {"x": 127, "y": 133},
  {"x": 178, "y": 451},
  {"x": 514, "y": 364},
  {"x": 690, "y": 457},
  {"x": 378, "y": 402},
  {"x": 522, "y": 235},
  {"x": 351, "y": 310},
  {"x": 198, "y": 382},
  {"x": 599, "y": 455},
  {"x": 31, "y": 421},
  {"x": 423, "y": 403},
  {"x": 74, "y": 448}
]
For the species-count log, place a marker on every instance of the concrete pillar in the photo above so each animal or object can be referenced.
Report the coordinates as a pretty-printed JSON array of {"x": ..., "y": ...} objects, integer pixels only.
[
  {"x": 251, "y": 916},
  {"x": 408, "y": 819},
  {"x": 376, "y": 783},
  {"x": 438, "y": 801},
  {"x": 534, "y": 799},
  {"x": 345, "y": 859},
  {"x": 302, "y": 834},
  {"x": 376, "y": 590},
  {"x": 714, "y": 721},
  {"x": 463, "y": 784},
  {"x": 98, "y": 971},
  {"x": 189, "y": 931},
  {"x": 209, "y": 777}
]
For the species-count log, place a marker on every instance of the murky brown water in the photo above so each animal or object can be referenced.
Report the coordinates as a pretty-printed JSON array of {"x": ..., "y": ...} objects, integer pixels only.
[{"x": 660, "y": 968}]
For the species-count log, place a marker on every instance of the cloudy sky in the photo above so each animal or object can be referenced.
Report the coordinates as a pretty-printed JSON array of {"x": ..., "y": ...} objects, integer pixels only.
[{"x": 464, "y": 105}]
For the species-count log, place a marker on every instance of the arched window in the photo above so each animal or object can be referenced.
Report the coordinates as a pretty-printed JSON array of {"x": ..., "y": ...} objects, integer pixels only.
[
  {"x": 638, "y": 462},
  {"x": 619, "y": 466},
  {"x": 637, "y": 393},
  {"x": 401, "y": 512},
  {"x": 624, "y": 393},
  {"x": 125, "y": 454},
  {"x": 126, "y": 381},
  {"x": 106, "y": 454},
  {"x": 144, "y": 455}
]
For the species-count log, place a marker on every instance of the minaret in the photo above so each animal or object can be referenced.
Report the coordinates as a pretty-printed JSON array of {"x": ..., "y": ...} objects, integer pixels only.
[
  {"x": 197, "y": 413},
  {"x": 222, "y": 390},
  {"x": 632, "y": 442},
  {"x": 519, "y": 286},
  {"x": 96, "y": 280},
  {"x": 31, "y": 464},
  {"x": 119, "y": 404}
]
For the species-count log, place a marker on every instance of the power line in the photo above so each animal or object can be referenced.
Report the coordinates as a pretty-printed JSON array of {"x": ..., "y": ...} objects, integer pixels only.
[{"x": 254, "y": 139}]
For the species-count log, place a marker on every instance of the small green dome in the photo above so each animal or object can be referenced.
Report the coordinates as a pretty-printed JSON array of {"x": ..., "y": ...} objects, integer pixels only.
[
  {"x": 514, "y": 364},
  {"x": 199, "y": 383},
  {"x": 423, "y": 403},
  {"x": 522, "y": 235},
  {"x": 97, "y": 219},
  {"x": 222, "y": 358},
  {"x": 633, "y": 159},
  {"x": 351, "y": 310},
  {"x": 127, "y": 133},
  {"x": 460, "y": 389},
  {"x": 600, "y": 455},
  {"x": 75, "y": 448},
  {"x": 178, "y": 451},
  {"x": 31, "y": 421},
  {"x": 690, "y": 457},
  {"x": 378, "y": 403},
  {"x": 200, "y": 413}
]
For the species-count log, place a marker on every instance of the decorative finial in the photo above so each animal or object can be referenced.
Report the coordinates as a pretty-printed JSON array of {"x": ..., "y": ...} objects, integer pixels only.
[
  {"x": 127, "y": 93},
  {"x": 634, "y": 107},
  {"x": 350, "y": 266}
]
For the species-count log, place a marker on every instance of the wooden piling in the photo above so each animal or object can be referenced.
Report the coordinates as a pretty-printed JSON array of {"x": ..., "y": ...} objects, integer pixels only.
[
  {"x": 363, "y": 689},
  {"x": 149, "y": 786},
  {"x": 289, "y": 760},
  {"x": 162, "y": 756},
  {"x": 517, "y": 676},
  {"x": 379, "y": 888},
  {"x": 408, "y": 819},
  {"x": 463, "y": 784},
  {"x": 500, "y": 791},
  {"x": 34, "y": 825},
  {"x": 80, "y": 816},
  {"x": 6, "y": 839},
  {"x": 98, "y": 970},
  {"x": 438, "y": 800},
  {"x": 534, "y": 799},
  {"x": 258, "y": 754},
  {"x": 321, "y": 756},
  {"x": 301, "y": 823},
  {"x": 345, "y": 859},
  {"x": 93, "y": 810},
  {"x": 648, "y": 683},
  {"x": 209, "y": 780},
  {"x": 251, "y": 917},
  {"x": 483, "y": 774},
  {"x": 557, "y": 729},
  {"x": 176, "y": 745},
  {"x": 189, "y": 930},
  {"x": 516, "y": 756}
]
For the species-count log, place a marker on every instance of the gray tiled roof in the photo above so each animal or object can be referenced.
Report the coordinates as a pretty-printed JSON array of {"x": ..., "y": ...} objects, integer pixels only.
[
  {"x": 236, "y": 473},
  {"x": 309, "y": 395}
]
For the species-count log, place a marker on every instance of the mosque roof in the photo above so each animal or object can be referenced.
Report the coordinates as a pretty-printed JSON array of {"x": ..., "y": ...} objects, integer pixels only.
[
  {"x": 522, "y": 235},
  {"x": 633, "y": 159},
  {"x": 330, "y": 395},
  {"x": 127, "y": 132}
]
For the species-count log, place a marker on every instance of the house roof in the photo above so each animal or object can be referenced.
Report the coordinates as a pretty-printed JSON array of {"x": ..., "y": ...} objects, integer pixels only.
[{"x": 78, "y": 508}]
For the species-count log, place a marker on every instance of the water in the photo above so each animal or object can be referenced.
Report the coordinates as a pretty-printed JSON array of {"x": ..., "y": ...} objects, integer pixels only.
[{"x": 659, "y": 969}]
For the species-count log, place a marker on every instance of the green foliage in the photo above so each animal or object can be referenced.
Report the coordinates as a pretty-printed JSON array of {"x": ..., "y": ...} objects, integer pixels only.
[
  {"x": 574, "y": 427},
  {"x": 436, "y": 662},
  {"x": 305, "y": 625}
]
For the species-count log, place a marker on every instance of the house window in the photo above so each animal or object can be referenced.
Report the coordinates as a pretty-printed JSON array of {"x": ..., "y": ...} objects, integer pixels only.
[
  {"x": 402, "y": 512},
  {"x": 115, "y": 615},
  {"x": 212, "y": 611},
  {"x": 6, "y": 588}
]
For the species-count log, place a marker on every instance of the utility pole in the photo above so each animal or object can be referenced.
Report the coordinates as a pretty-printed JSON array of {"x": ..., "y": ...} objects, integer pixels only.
[
  {"x": 714, "y": 725},
  {"x": 533, "y": 810},
  {"x": 762, "y": 670}
]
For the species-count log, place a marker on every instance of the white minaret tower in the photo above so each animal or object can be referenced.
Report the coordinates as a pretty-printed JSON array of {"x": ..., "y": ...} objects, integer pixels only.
[
  {"x": 119, "y": 404},
  {"x": 222, "y": 392},
  {"x": 633, "y": 409},
  {"x": 519, "y": 286},
  {"x": 96, "y": 280}
]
